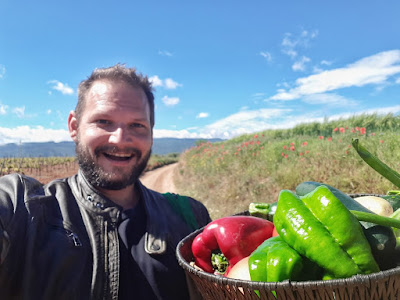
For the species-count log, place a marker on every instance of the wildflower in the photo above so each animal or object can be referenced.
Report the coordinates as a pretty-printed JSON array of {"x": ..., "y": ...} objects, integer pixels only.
[
  {"x": 307, "y": 151},
  {"x": 352, "y": 130},
  {"x": 321, "y": 137},
  {"x": 381, "y": 141},
  {"x": 286, "y": 156},
  {"x": 258, "y": 142},
  {"x": 285, "y": 147},
  {"x": 292, "y": 148},
  {"x": 362, "y": 130},
  {"x": 301, "y": 153},
  {"x": 262, "y": 147},
  {"x": 305, "y": 143},
  {"x": 329, "y": 139},
  {"x": 255, "y": 136},
  {"x": 336, "y": 129},
  {"x": 357, "y": 128},
  {"x": 341, "y": 129},
  {"x": 373, "y": 134},
  {"x": 291, "y": 144},
  {"x": 283, "y": 154}
]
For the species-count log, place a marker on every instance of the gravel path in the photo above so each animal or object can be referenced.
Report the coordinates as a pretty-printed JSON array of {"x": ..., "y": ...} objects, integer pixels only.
[{"x": 160, "y": 179}]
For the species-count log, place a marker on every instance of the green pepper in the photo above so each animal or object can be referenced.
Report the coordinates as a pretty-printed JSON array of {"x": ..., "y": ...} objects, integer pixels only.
[
  {"x": 274, "y": 260},
  {"x": 319, "y": 227},
  {"x": 263, "y": 210}
]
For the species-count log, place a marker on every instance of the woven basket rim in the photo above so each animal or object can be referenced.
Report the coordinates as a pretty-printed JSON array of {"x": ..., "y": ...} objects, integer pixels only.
[
  {"x": 221, "y": 280},
  {"x": 356, "y": 279}
]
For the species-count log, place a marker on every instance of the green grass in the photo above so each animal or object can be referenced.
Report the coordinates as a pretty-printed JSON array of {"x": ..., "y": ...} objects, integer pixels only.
[
  {"x": 157, "y": 161},
  {"x": 228, "y": 176}
]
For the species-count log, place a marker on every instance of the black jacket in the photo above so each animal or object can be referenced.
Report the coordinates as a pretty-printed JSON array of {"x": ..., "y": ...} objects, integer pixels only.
[{"x": 60, "y": 241}]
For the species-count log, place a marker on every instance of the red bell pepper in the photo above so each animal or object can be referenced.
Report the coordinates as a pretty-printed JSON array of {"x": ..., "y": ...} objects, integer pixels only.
[{"x": 235, "y": 236}]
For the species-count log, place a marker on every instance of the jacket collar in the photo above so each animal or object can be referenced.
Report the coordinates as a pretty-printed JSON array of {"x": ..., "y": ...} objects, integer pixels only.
[{"x": 156, "y": 227}]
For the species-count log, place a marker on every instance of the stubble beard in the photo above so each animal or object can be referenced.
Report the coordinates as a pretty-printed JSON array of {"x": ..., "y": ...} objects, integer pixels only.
[{"x": 100, "y": 178}]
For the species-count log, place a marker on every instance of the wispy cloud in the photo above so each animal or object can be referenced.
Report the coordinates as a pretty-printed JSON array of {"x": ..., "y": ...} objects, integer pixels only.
[
  {"x": 330, "y": 99},
  {"x": 266, "y": 55},
  {"x": 3, "y": 109},
  {"x": 168, "y": 83},
  {"x": 61, "y": 87},
  {"x": 202, "y": 115},
  {"x": 2, "y": 71},
  {"x": 19, "y": 111},
  {"x": 300, "y": 65},
  {"x": 170, "y": 101},
  {"x": 291, "y": 44},
  {"x": 164, "y": 53},
  {"x": 375, "y": 69}
]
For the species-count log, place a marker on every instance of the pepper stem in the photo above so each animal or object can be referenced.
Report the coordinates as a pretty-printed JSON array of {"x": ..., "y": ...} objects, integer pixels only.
[{"x": 376, "y": 219}]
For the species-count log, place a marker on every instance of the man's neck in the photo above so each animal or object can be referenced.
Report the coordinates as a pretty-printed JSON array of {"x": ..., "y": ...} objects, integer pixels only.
[{"x": 126, "y": 198}]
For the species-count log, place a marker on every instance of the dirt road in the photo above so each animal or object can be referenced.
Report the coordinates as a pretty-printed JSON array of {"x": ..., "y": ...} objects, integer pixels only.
[{"x": 161, "y": 179}]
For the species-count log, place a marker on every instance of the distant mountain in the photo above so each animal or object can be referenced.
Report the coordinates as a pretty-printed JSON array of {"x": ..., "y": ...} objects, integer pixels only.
[{"x": 161, "y": 146}]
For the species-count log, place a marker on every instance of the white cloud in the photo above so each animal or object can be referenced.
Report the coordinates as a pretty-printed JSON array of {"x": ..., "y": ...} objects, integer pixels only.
[
  {"x": 398, "y": 80},
  {"x": 2, "y": 71},
  {"x": 26, "y": 134},
  {"x": 330, "y": 99},
  {"x": 168, "y": 83},
  {"x": 171, "y": 84},
  {"x": 19, "y": 111},
  {"x": 202, "y": 115},
  {"x": 155, "y": 81},
  {"x": 375, "y": 69},
  {"x": 61, "y": 87},
  {"x": 244, "y": 122},
  {"x": 170, "y": 101},
  {"x": 3, "y": 109},
  {"x": 290, "y": 43},
  {"x": 300, "y": 65},
  {"x": 326, "y": 63},
  {"x": 48, "y": 111},
  {"x": 266, "y": 55},
  {"x": 180, "y": 134},
  {"x": 164, "y": 53}
]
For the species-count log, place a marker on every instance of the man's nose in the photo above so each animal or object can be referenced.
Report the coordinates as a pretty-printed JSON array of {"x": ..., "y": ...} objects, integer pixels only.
[{"x": 120, "y": 135}]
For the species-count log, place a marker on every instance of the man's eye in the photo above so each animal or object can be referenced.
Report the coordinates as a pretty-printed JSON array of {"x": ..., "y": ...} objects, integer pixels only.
[
  {"x": 137, "y": 125},
  {"x": 103, "y": 122}
]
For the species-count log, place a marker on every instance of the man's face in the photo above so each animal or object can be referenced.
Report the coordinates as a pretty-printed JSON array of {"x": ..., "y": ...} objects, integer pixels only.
[{"x": 114, "y": 136}]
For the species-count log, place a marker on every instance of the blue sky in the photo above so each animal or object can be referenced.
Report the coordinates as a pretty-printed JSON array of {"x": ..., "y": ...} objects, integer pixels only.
[{"x": 219, "y": 68}]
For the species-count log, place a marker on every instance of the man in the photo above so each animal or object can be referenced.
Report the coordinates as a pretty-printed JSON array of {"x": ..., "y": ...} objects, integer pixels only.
[{"x": 99, "y": 234}]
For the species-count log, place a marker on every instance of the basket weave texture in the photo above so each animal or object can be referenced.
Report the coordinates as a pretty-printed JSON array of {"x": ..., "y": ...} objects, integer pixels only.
[{"x": 383, "y": 285}]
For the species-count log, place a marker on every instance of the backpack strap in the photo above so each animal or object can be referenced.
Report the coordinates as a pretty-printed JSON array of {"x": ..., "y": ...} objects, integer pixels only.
[{"x": 181, "y": 205}]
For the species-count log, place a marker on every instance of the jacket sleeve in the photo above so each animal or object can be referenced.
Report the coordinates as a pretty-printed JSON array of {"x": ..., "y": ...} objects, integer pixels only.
[{"x": 14, "y": 191}]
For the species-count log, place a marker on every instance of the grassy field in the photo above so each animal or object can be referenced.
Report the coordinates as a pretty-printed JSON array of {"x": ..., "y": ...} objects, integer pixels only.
[{"x": 228, "y": 176}]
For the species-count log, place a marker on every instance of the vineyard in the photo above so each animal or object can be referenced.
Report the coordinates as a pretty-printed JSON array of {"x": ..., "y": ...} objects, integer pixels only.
[
  {"x": 43, "y": 169},
  {"x": 46, "y": 169}
]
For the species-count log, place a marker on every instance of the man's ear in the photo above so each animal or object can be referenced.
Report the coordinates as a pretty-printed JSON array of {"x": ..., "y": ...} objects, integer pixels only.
[{"x": 73, "y": 125}]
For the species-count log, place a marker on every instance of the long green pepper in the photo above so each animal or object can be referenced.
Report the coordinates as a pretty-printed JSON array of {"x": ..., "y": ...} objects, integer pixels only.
[{"x": 321, "y": 228}]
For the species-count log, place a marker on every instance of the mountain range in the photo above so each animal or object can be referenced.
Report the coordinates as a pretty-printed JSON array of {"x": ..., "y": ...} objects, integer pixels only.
[{"x": 161, "y": 146}]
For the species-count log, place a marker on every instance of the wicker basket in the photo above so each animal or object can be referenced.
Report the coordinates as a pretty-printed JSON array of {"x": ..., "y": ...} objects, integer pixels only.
[{"x": 382, "y": 285}]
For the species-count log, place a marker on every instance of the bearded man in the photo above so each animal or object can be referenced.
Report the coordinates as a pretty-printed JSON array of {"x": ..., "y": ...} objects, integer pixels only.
[{"x": 99, "y": 234}]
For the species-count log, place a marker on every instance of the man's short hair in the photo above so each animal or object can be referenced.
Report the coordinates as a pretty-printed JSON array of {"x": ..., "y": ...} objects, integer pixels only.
[{"x": 117, "y": 72}]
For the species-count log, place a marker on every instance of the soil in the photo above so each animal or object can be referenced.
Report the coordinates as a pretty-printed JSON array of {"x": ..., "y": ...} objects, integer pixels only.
[{"x": 160, "y": 179}]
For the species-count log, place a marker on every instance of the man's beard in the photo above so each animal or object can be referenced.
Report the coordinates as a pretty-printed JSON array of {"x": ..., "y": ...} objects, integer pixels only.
[{"x": 100, "y": 178}]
